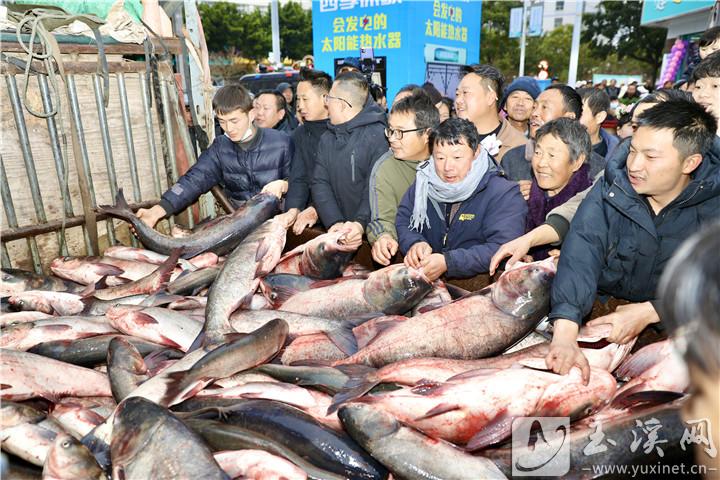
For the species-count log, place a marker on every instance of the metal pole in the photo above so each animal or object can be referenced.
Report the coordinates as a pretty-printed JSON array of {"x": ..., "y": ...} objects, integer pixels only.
[
  {"x": 275, "y": 20},
  {"x": 107, "y": 148},
  {"x": 521, "y": 69},
  {"x": 5, "y": 256},
  {"x": 575, "y": 50},
  {"x": 127, "y": 127},
  {"x": 12, "y": 220}
]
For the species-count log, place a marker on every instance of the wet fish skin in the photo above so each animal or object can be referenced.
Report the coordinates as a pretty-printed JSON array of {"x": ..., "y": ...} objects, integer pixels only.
[
  {"x": 126, "y": 368},
  {"x": 409, "y": 454},
  {"x": 324, "y": 257},
  {"x": 327, "y": 379},
  {"x": 299, "y": 432},
  {"x": 60, "y": 303},
  {"x": 88, "y": 352},
  {"x": 258, "y": 464},
  {"x": 190, "y": 282},
  {"x": 8, "y": 319},
  {"x": 25, "y": 336},
  {"x": 16, "y": 281},
  {"x": 142, "y": 435},
  {"x": 147, "y": 285},
  {"x": 69, "y": 459},
  {"x": 299, "y": 324},
  {"x": 278, "y": 287},
  {"x": 78, "y": 419},
  {"x": 30, "y": 441},
  {"x": 220, "y": 240},
  {"x": 159, "y": 325}
]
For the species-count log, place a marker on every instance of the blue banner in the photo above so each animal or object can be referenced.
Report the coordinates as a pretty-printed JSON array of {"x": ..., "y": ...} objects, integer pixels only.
[
  {"x": 659, "y": 10},
  {"x": 411, "y": 41}
]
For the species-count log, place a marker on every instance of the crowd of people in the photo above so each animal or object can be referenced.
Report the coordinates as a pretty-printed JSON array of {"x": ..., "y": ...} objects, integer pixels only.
[{"x": 454, "y": 187}]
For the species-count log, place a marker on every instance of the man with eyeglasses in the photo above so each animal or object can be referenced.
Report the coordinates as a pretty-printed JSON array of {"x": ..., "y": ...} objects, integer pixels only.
[
  {"x": 347, "y": 151},
  {"x": 409, "y": 125}
]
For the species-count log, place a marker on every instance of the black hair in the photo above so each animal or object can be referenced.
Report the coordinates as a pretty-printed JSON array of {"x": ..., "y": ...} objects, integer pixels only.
[
  {"x": 426, "y": 115},
  {"x": 709, "y": 37},
  {"x": 662, "y": 95},
  {"x": 230, "y": 98},
  {"x": 490, "y": 76},
  {"x": 356, "y": 85},
  {"x": 624, "y": 120},
  {"x": 597, "y": 100},
  {"x": 693, "y": 128},
  {"x": 572, "y": 102},
  {"x": 431, "y": 90},
  {"x": 448, "y": 102},
  {"x": 455, "y": 131},
  {"x": 689, "y": 294},
  {"x": 709, "y": 67},
  {"x": 571, "y": 133},
  {"x": 376, "y": 91},
  {"x": 318, "y": 79},
  {"x": 280, "y": 102}
]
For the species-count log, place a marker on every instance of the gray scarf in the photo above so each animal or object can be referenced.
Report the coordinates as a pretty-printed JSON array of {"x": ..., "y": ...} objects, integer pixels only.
[{"x": 428, "y": 185}]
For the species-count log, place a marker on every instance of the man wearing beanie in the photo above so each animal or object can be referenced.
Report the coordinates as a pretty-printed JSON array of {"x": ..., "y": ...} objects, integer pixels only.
[{"x": 519, "y": 101}]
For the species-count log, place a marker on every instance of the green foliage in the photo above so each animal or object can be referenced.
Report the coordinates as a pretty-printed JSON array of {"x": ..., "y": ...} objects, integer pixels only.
[
  {"x": 495, "y": 46},
  {"x": 615, "y": 28},
  {"x": 249, "y": 34}
]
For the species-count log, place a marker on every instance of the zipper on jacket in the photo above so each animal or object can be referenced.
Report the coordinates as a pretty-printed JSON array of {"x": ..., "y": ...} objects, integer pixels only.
[{"x": 352, "y": 166}]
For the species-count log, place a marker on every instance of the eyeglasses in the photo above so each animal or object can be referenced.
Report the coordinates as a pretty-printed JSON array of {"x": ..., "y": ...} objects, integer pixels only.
[
  {"x": 330, "y": 97},
  {"x": 391, "y": 132}
]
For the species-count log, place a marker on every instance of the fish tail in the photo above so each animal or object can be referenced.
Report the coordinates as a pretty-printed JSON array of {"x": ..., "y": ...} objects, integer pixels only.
[
  {"x": 361, "y": 379},
  {"x": 121, "y": 209},
  {"x": 165, "y": 270},
  {"x": 176, "y": 383}
]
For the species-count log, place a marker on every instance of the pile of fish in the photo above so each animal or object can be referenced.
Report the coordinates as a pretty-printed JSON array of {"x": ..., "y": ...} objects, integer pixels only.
[{"x": 215, "y": 355}]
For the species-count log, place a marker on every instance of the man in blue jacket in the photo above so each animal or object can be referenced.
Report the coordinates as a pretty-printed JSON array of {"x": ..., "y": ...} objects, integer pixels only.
[
  {"x": 245, "y": 160},
  {"x": 346, "y": 154},
  {"x": 460, "y": 210},
  {"x": 656, "y": 191}
]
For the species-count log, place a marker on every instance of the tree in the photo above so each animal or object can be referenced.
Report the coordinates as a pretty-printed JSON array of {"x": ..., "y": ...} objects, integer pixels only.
[
  {"x": 295, "y": 30},
  {"x": 615, "y": 28},
  {"x": 222, "y": 23},
  {"x": 495, "y": 46}
]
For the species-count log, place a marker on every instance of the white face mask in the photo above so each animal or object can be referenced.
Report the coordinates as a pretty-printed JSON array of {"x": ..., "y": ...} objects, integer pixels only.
[
  {"x": 248, "y": 134},
  {"x": 614, "y": 105}
]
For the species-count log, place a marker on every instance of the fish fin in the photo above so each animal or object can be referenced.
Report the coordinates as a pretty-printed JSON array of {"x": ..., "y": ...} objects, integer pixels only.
[
  {"x": 198, "y": 342},
  {"x": 292, "y": 253},
  {"x": 262, "y": 250},
  {"x": 144, "y": 319},
  {"x": 439, "y": 410},
  {"x": 165, "y": 270},
  {"x": 361, "y": 380},
  {"x": 377, "y": 330},
  {"x": 455, "y": 291},
  {"x": 343, "y": 338},
  {"x": 311, "y": 362},
  {"x": 645, "y": 398},
  {"x": 478, "y": 372},
  {"x": 429, "y": 308},
  {"x": 498, "y": 429},
  {"x": 159, "y": 299},
  {"x": 176, "y": 382},
  {"x": 636, "y": 364},
  {"x": 121, "y": 209},
  {"x": 88, "y": 302}
]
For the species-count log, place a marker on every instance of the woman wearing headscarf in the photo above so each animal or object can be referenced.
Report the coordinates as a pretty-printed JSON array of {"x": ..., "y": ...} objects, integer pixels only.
[{"x": 459, "y": 210}]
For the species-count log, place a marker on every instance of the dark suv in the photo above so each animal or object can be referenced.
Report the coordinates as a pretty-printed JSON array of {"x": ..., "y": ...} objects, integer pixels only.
[{"x": 269, "y": 81}]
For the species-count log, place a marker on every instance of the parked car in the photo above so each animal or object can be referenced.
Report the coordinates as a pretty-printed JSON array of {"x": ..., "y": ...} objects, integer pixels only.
[{"x": 256, "y": 82}]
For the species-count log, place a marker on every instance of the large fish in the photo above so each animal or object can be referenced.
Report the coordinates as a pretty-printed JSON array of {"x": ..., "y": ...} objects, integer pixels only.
[
  {"x": 25, "y": 336},
  {"x": 90, "y": 270},
  {"x": 409, "y": 454},
  {"x": 78, "y": 419},
  {"x": 240, "y": 276},
  {"x": 477, "y": 408},
  {"x": 142, "y": 255},
  {"x": 26, "y": 375},
  {"x": 327, "y": 379},
  {"x": 278, "y": 287},
  {"x": 155, "y": 281},
  {"x": 600, "y": 354},
  {"x": 149, "y": 442},
  {"x": 88, "y": 352},
  {"x": 69, "y": 459},
  {"x": 189, "y": 283},
  {"x": 59, "y": 303},
  {"x": 126, "y": 368},
  {"x": 158, "y": 325},
  {"x": 325, "y": 448},
  {"x": 220, "y": 239},
  {"x": 15, "y": 318},
  {"x": 392, "y": 290},
  {"x": 324, "y": 257},
  {"x": 249, "y": 320},
  {"x": 17, "y": 281},
  {"x": 479, "y": 325}
]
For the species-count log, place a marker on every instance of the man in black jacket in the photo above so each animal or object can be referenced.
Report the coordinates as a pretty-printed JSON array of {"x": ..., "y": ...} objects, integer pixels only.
[
  {"x": 271, "y": 111},
  {"x": 245, "y": 160},
  {"x": 656, "y": 191},
  {"x": 311, "y": 91},
  {"x": 346, "y": 155}
]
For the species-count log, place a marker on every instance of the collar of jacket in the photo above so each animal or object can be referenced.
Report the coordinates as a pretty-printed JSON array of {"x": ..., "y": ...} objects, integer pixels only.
[
  {"x": 253, "y": 142},
  {"x": 619, "y": 192}
]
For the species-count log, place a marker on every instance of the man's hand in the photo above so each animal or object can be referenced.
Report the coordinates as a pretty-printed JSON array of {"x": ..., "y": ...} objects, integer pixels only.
[
  {"x": 353, "y": 235},
  {"x": 564, "y": 352},
  {"x": 305, "y": 219},
  {"x": 433, "y": 266},
  {"x": 525, "y": 188},
  {"x": 515, "y": 249},
  {"x": 384, "y": 249},
  {"x": 628, "y": 321},
  {"x": 150, "y": 216},
  {"x": 276, "y": 187},
  {"x": 417, "y": 254}
]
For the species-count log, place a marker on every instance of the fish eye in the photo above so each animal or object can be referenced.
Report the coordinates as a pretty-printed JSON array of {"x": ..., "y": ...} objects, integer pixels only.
[
  {"x": 273, "y": 296},
  {"x": 65, "y": 444}
]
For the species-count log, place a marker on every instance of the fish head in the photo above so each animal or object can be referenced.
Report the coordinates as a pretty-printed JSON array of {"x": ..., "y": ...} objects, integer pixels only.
[
  {"x": 396, "y": 289},
  {"x": 12, "y": 414},
  {"x": 524, "y": 291},
  {"x": 327, "y": 255},
  {"x": 366, "y": 423},
  {"x": 13, "y": 282},
  {"x": 119, "y": 310},
  {"x": 68, "y": 458}
]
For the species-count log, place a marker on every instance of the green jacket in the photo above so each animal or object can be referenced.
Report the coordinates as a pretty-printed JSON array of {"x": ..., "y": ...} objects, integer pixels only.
[{"x": 389, "y": 180}]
